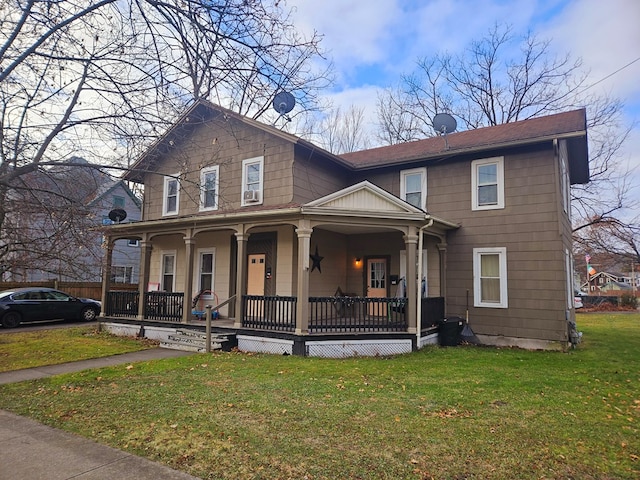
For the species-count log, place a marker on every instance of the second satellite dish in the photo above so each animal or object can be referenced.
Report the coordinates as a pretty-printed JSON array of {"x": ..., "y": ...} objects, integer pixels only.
[
  {"x": 444, "y": 123},
  {"x": 284, "y": 102},
  {"x": 117, "y": 215}
]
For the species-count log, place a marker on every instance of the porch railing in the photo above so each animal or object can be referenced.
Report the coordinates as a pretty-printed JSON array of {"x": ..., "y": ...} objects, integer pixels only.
[
  {"x": 269, "y": 312},
  {"x": 326, "y": 314},
  {"x": 122, "y": 304},
  {"x": 163, "y": 305},
  {"x": 432, "y": 311},
  {"x": 357, "y": 314}
]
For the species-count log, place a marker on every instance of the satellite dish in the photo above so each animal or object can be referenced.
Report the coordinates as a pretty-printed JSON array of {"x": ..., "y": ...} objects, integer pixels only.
[
  {"x": 117, "y": 215},
  {"x": 284, "y": 102},
  {"x": 444, "y": 123}
]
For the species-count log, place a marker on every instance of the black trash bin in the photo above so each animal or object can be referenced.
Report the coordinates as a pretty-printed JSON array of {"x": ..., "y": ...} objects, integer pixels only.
[{"x": 449, "y": 331}]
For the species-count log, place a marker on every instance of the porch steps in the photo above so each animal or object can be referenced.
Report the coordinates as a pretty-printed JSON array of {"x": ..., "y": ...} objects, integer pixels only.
[{"x": 195, "y": 341}]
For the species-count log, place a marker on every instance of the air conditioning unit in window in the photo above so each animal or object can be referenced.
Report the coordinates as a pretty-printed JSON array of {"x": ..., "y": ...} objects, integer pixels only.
[{"x": 251, "y": 196}]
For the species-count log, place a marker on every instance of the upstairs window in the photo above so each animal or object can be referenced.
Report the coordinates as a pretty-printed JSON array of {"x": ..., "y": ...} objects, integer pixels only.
[
  {"x": 487, "y": 183},
  {"x": 490, "y": 277},
  {"x": 209, "y": 188},
  {"x": 252, "y": 181},
  {"x": 413, "y": 187},
  {"x": 118, "y": 202},
  {"x": 171, "y": 196}
]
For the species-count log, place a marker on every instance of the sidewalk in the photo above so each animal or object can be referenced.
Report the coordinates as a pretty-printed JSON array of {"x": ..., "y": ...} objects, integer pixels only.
[{"x": 32, "y": 451}]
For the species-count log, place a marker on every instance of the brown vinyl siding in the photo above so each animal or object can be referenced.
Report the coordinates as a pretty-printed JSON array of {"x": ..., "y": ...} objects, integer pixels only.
[
  {"x": 315, "y": 177},
  {"x": 527, "y": 227},
  {"x": 208, "y": 146}
]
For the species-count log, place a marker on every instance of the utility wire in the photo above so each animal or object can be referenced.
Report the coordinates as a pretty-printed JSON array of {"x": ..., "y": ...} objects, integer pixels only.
[{"x": 612, "y": 74}]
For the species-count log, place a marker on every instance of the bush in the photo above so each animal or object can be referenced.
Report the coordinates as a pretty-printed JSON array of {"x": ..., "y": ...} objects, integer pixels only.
[{"x": 628, "y": 300}]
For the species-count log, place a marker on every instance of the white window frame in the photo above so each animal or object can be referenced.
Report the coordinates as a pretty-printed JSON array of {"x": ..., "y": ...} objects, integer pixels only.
[
  {"x": 565, "y": 183},
  {"x": 168, "y": 253},
  {"x": 203, "y": 192},
  {"x": 475, "y": 165},
  {"x": 245, "y": 185},
  {"x": 423, "y": 185},
  {"x": 569, "y": 272},
  {"x": 165, "y": 195},
  {"x": 124, "y": 276},
  {"x": 477, "y": 283},
  {"x": 198, "y": 270}
]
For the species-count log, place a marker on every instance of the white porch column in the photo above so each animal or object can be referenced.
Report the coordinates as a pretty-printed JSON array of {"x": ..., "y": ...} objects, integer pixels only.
[
  {"x": 143, "y": 278},
  {"x": 241, "y": 276},
  {"x": 189, "y": 246},
  {"x": 411, "y": 242},
  {"x": 302, "y": 307},
  {"x": 106, "y": 273}
]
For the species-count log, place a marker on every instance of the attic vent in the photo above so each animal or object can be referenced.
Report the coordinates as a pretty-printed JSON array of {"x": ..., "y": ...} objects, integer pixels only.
[{"x": 251, "y": 196}]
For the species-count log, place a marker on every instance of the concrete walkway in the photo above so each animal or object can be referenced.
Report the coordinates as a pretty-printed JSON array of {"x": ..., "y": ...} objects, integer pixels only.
[{"x": 32, "y": 451}]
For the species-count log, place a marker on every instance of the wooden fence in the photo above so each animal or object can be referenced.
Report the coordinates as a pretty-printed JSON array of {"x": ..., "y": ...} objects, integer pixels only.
[{"x": 77, "y": 289}]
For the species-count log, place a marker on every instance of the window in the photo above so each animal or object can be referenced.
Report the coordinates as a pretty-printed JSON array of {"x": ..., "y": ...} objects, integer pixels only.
[
  {"x": 118, "y": 202},
  {"x": 209, "y": 188},
  {"x": 206, "y": 268},
  {"x": 252, "y": 178},
  {"x": 490, "y": 277},
  {"x": 569, "y": 276},
  {"x": 133, "y": 243},
  {"x": 413, "y": 187},
  {"x": 121, "y": 274},
  {"x": 168, "y": 272},
  {"x": 487, "y": 183},
  {"x": 565, "y": 188},
  {"x": 171, "y": 195}
]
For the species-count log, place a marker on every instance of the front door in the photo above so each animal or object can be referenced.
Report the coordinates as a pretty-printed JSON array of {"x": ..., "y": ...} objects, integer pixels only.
[
  {"x": 377, "y": 285},
  {"x": 255, "y": 283}
]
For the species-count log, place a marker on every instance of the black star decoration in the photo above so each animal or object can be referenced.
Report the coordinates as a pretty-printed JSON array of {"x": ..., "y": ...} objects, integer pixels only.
[{"x": 316, "y": 261}]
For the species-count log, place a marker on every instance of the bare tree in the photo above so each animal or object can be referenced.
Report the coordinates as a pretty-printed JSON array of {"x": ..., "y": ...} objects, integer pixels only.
[
  {"x": 485, "y": 86},
  {"x": 338, "y": 131},
  {"x": 102, "y": 79}
]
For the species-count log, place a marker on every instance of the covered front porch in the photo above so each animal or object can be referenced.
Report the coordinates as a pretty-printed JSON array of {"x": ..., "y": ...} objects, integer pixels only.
[{"x": 316, "y": 273}]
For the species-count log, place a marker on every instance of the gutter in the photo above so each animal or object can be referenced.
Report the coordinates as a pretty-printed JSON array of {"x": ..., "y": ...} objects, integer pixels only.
[{"x": 419, "y": 281}]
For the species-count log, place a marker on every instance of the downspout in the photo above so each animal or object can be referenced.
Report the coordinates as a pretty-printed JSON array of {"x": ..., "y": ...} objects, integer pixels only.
[{"x": 419, "y": 286}]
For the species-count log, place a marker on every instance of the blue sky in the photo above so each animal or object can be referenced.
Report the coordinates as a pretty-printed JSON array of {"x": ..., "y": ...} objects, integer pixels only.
[{"x": 372, "y": 42}]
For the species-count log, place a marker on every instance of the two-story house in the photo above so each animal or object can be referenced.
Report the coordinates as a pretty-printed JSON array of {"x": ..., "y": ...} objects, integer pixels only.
[
  {"x": 359, "y": 253},
  {"x": 59, "y": 212}
]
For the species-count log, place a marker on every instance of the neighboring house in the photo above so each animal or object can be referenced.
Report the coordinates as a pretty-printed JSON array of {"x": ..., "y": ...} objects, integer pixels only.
[
  {"x": 61, "y": 218},
  {"x": 359, "y": 253},
  {"x": 608, "y": 282}
]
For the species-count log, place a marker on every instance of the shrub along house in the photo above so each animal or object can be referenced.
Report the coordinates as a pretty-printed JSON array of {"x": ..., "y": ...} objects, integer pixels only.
[{"x": 361, "y": 253}]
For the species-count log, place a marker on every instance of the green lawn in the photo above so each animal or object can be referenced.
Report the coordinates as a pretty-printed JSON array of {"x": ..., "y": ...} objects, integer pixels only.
[
  {"x": 444, "y": 413},
  {"x": 50, "y": 347}
]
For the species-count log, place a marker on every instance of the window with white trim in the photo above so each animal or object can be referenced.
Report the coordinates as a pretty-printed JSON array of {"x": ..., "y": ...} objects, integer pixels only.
[
  {"x": 487, "y": 183},
  {"x": 413, "y": 187},
  {"x": 168, "y": 272},
  {"x": 121, "y": 274},
  {"x": 565, "y": 184},
  {"x": 568, "y": 266},
  {"x": 252, "y": 181},
  {"x": 171, "y": 197},
  {"x": 209, "y": 188},
  {"x": 206, "y": 269},
  {"x": 490, "y": 277}
]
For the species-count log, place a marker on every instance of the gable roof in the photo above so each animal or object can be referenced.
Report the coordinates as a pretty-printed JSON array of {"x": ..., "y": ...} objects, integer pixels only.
[
  {"x": 366, "y": 199},
  {"x": 571, "y": 126},
  {"x": 568, "y": 125},
  {"x": 201, "y": 112}
]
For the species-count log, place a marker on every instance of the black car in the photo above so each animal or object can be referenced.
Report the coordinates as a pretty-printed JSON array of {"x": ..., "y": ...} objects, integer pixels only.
[{"x": 40, "y": 304}]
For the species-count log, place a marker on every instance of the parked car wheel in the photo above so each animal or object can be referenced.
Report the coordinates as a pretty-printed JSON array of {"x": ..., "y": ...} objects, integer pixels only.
[
  {"x": 88, "y": 314},
  {"x": 11, "y": 319}
]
